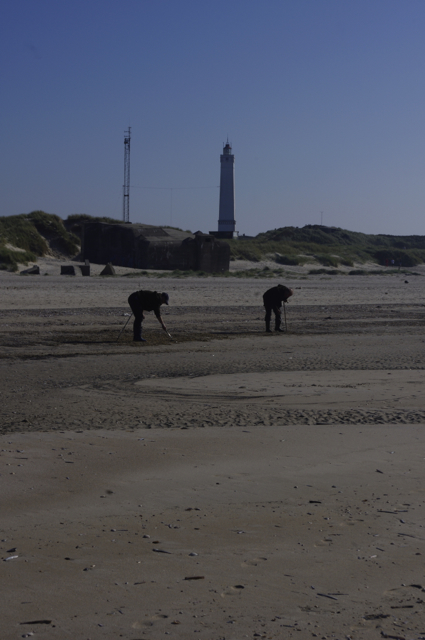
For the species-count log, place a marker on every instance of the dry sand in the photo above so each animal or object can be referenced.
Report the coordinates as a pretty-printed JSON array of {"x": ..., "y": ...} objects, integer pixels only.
[{"x": 226, "y": 484}]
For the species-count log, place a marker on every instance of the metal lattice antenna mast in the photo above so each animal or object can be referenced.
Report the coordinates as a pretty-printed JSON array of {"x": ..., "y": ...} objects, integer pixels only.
[{"x": 126, "y": 187}]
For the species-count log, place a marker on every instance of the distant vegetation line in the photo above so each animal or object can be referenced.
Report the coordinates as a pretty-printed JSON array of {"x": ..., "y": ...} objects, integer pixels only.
[
  {"x": 25, "y": 237},
  {"x": 330, "y": 247}
]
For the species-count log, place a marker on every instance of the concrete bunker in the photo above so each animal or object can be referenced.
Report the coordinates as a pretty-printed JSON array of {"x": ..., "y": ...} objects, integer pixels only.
[{"x": 143, "y": 246}]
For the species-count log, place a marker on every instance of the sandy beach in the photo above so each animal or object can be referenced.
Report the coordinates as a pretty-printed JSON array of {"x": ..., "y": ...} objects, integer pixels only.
[{"x": 222, "y": 484}]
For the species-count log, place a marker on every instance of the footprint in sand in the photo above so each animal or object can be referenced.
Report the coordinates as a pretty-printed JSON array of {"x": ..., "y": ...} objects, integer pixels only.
[
  {"x": 233, "y": 591},
  {"x": 325, "y": 542},
  {"x": 253, "y": 563},
  {"x": 139, "y": 624}
]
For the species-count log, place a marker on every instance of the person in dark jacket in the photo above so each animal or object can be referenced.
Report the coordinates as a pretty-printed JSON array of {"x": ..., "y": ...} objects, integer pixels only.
[
  {"x": 273, "y": 299},
  {"x": 141, "y": 301}
]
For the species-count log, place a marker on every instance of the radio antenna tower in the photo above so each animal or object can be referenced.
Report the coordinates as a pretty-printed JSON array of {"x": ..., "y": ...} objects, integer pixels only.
[{"x": 126, "y": 187}]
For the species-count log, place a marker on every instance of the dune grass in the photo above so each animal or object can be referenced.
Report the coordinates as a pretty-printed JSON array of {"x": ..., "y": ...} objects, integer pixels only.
[
  {"x": 25, "y": 237},
  {"x": 329, "y": 246}
]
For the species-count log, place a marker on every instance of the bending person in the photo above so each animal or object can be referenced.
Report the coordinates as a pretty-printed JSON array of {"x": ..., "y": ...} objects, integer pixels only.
[
  {"x": 141, "y": 301},
  {"x": 273, "y": 299}
]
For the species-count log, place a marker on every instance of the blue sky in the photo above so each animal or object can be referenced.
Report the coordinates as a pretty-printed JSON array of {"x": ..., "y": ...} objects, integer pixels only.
[{"x": 322, "y": 101}]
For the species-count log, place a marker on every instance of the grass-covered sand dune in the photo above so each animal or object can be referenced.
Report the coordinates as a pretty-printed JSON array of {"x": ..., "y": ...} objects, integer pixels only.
[
  {"x": 28, "y": 236},
  {"x": 330, "y": 247}
]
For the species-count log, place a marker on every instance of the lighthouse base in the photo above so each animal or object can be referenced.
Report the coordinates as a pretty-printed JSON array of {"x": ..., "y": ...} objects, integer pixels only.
[{"x": 225, "y": 234}]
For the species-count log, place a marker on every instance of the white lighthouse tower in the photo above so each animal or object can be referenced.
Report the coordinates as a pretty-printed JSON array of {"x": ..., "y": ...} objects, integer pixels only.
[{"x": 226, "y": 216}]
